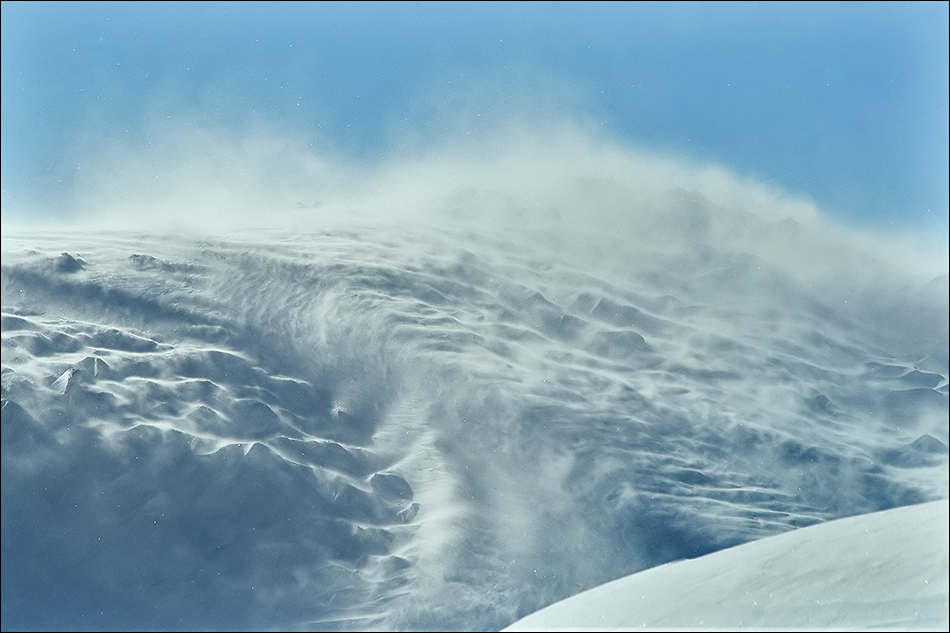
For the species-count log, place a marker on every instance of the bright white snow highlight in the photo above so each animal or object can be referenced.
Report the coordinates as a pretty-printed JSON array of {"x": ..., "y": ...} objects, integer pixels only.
[{"x": 881, "y": 571}]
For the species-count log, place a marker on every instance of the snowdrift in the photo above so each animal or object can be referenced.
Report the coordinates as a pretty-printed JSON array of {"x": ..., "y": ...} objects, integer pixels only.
[{"x": 882, "y": 571}]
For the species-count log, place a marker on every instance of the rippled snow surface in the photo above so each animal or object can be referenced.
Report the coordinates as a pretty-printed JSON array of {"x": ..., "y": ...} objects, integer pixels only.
[{"x": 396, "y": 426}]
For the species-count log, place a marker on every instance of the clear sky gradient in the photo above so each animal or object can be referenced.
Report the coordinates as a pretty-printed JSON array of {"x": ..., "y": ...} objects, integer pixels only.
[{"x": 844, "y": 103}]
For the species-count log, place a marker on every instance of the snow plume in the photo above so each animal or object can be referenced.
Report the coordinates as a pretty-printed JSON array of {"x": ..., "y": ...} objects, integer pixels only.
[
  {"x": 447, "y": 388},
  {"x": 568, "y": 185},
  {"x": 538, "y": 170}
]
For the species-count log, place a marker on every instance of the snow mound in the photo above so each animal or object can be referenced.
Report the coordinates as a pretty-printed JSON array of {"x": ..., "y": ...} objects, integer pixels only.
[{"x": 881, "y": 571}]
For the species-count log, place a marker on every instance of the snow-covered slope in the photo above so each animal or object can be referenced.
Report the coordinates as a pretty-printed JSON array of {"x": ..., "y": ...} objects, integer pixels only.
[
  {"x": 881, "y": 571},
  {"x": 445, "y": 425}
]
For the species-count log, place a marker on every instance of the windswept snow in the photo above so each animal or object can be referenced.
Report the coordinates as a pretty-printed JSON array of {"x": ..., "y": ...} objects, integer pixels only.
[{"x": 450, "y": 425}]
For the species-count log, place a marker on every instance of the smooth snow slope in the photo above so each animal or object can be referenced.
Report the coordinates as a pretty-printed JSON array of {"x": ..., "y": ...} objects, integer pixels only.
[{"x": 882, "y": 571}]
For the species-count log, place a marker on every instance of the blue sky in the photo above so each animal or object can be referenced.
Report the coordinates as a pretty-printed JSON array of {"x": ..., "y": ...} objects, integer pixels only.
[{"x": 844, "y": 103}]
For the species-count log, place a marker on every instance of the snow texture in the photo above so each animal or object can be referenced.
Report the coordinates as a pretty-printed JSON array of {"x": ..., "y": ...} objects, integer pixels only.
[{"x": 383, "y": 424}]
